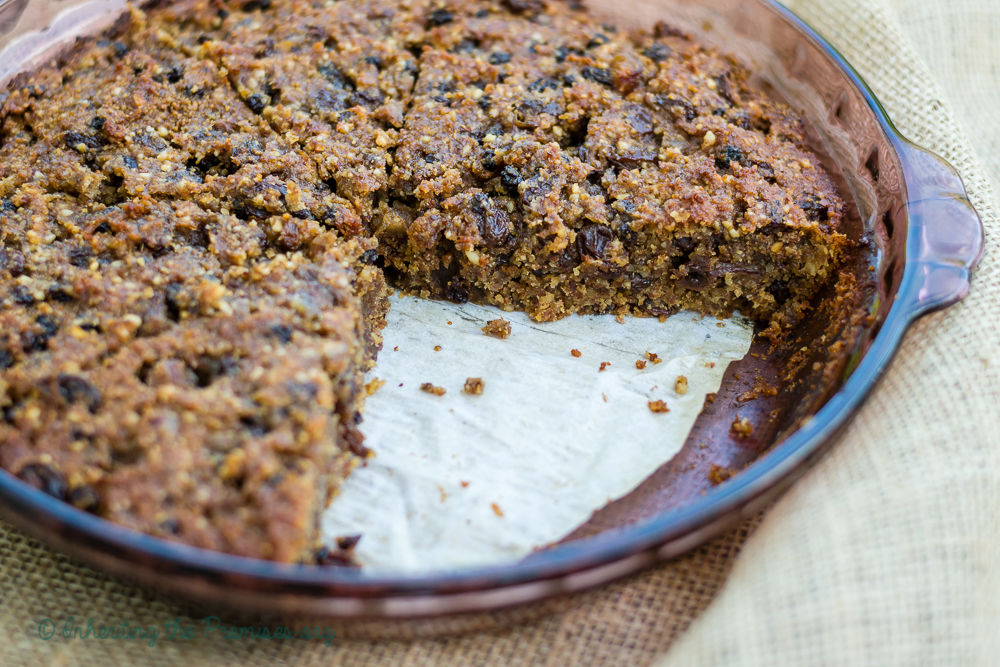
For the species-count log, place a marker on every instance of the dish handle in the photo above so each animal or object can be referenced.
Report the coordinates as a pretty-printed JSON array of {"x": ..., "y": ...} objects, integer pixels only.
[{"x": 945, "y": 236}]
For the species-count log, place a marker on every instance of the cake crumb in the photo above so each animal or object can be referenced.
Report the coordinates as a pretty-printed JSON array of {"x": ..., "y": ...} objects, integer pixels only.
[
  {"x": 576, "y": 353},
  {"x": 681, "y": 386},
  {"x": 464, "y": 484},
  {"x": 658, "y": 406},
  {"x": 431, "y": 389},
  {"x": 655, "y": 358},
  {"x": 640, "y": 364},
  {"x": 374, "y": 386},
  {"x": 717, "y": 474},
  {"x": 474, "y": 386},
  {"x": 437, "y": 348},
  {"x": 604, "y": 366},
  {"x": 498, "y": 328},
  {"x": 496, "y": 509},
  {"x": 741, "y": 427}
]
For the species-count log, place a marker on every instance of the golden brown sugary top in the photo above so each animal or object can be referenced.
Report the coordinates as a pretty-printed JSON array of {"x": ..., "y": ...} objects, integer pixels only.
[{"x": 192, "y": 204}]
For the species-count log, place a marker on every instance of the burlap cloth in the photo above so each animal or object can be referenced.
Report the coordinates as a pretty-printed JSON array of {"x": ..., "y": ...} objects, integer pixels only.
[{"x": 886, "y": 553}]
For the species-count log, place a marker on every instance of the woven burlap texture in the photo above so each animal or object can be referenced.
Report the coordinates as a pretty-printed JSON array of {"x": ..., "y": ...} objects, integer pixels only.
[
  {"x": 883, "y": 554},
  {"x": 887, "y": 552}
]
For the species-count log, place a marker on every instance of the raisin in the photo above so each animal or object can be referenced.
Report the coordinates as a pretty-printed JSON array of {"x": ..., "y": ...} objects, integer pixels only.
[
  {"x": 7, "y": 206},
  {"x": 170, "y": 300},
  {"x": 44, "y": 478},
  {"x": 499, "y": 58},
  {"x": 22, "y": 295},
  {"x": 84, "y": 497},
  {"x": 325, "y": 556},
  {"x": 722, "y": 88},
  {"x": 355, "y": 442},
  {"x": 814, "y": 210},
  {"x": 97, "y": 123},
  {"x": 348, "y": 542},
  {"x": 510, "y": 178},
  {"x": 368, "y": 98},
  {"x": 210, "y": 368},
  {"x": 727, "y": 155},
  {"x": 657, "y": 52},
  {"x": 672, "y": 103},
  {"x": 779, "y": 290},
  {"x": 175, "y": 74},
  {"x": 494, "y": 223},
  {"x": 523, "y": 6},
  {"x": 59, "y": 295},
  {"x": 79, "y": 256},
  {"x": 6, "y": 359},
  {"x": 439, "y": 17},
  {"x": 369, "y": 256},
  {"x": 171, "y": 526},
  {"x": 591, "y": 241},
  {"x": 490, "y": 162},
  {"x": 130, "y": 162},
  {"x": 120, "y": 49},
  {"x": 12, "y": 260},
  {"x": 456, "y": 291},
  {"x": 686, "y": 244},
  {"x": 597, "y": 40},
  {"x": 256, "y": 102},
  {"x": 599, "y": 75},
  {"x": 74, "y": 139},
  {"x": 282, "y": 332},
  {"x": 764, "y": 169},
  {"x": 334, "y": 76},
  {"x": 75, "y": 389},
  {"x": 36, "y": 342}
]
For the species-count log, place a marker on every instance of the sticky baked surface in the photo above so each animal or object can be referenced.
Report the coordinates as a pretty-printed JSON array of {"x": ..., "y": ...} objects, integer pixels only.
[{"x": 201, "y": 208}]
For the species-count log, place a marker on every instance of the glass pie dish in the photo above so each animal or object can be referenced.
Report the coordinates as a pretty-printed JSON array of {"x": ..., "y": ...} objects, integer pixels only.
[{"x": 916, "y": 239}]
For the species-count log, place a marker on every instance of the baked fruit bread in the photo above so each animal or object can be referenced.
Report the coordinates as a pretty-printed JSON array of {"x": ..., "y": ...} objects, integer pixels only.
[{"x": 201, "y": 208}]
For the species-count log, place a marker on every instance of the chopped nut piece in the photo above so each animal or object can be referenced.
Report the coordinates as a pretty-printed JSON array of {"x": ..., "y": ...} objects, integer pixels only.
[
  {"x": 575, "y": 353},
  {"x": 373, "y": 386},
  {"x": 474, "y": 386},
  {"x": 710, "y": 398},
  {"x": 498, "y": 328},
  {"x": 658, "y": 406},
  {"x": 431, "y": 389},
  {"x": 681, "y": 386},
  {"x": 741, "y": 427}
]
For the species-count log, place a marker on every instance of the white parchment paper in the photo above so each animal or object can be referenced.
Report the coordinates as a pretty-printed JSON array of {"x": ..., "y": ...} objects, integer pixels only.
[{"x": 462, "y": 480}]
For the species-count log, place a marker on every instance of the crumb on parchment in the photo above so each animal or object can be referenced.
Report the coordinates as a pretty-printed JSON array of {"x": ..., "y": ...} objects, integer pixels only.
[
  {"x": 374, "y": 386},
  {"x": 604, "y": 366},
  {"x": 498, "y": 328},
  {"x": 474, "y": 386},
  {"x": 640, "y": 364},
  {"x": 681, "y": 385},
  {"x": 431, "y": 389},
  {"x": 658, "y": 406},
  {"x": 576, "y": 353}
]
